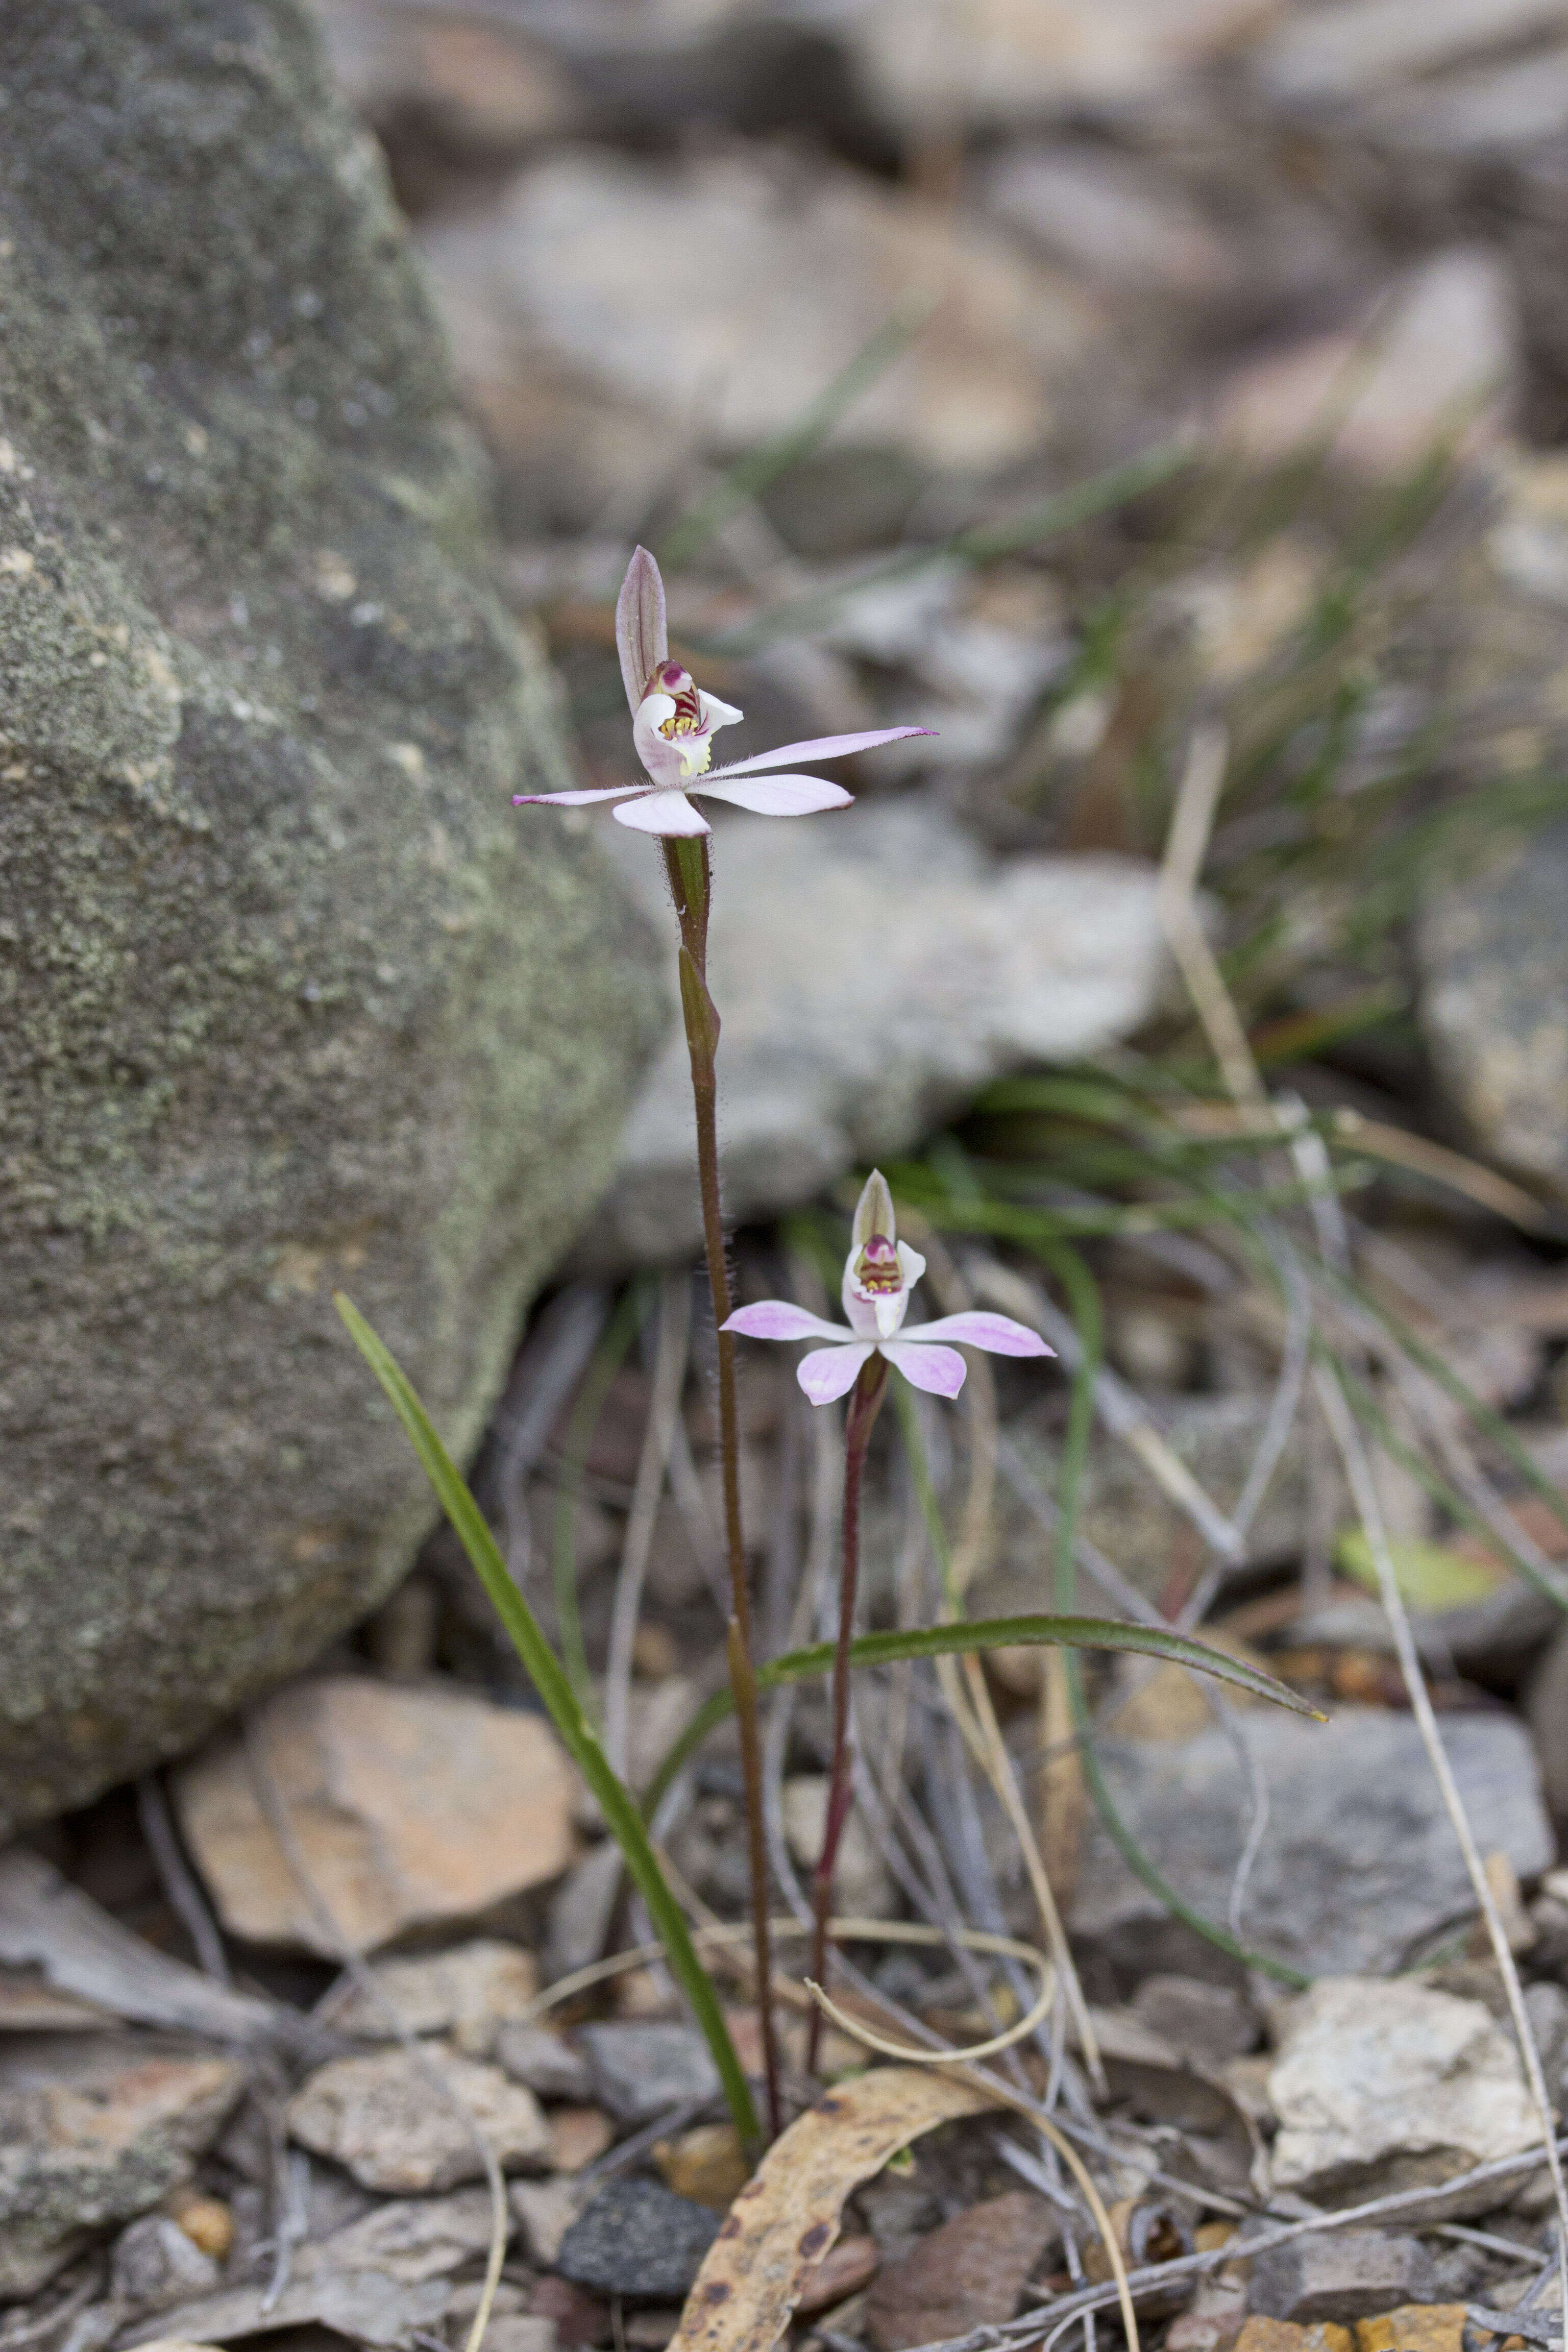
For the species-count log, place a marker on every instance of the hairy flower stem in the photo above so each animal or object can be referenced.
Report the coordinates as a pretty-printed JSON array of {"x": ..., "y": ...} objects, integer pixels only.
[
  {"x": 865, "y": 1399},
  {"x": 687, "y": 865}
]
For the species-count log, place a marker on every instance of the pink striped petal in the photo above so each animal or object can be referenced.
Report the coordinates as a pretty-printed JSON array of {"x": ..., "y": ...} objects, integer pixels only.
[
  {"x": 941, "y": 1371},
  {"x": 777, "y": 1318},
  {"x": 778, "y": 795},
  {"x": 829, "y": 1372},
  {"x": 574, "y": 800},
  {"x": 642, "y": 637},
  {"x": 996, "y": 1333},
  {"x": 821, "y": 747},
  {"x": 661, "y": 812}
]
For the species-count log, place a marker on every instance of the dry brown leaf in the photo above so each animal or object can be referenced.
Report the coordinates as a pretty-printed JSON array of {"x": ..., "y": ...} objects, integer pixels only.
[{"x": 787, "y": 2215}]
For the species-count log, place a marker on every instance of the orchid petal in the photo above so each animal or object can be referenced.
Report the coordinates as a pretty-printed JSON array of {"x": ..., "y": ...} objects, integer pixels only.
[
  {"x": 660, "y": 757},
  {"x": 939, "y": 1371},
  {"x": 716, "y": 713},
  {"x": 996, "y": 1333},
  {"x": 911, "y": 1266},
  {"x": 642, "y": 633},
  {"x": 822, "y": 747},
  {"x": 661, "y": 812},
  {"x": 873, "y": 1213},
  {"x": 779, "y": 795},
  {"x": 829, "y": 1372},
  {"x": 778, "y": 1318},
  {"x": 574, "y": 800}
]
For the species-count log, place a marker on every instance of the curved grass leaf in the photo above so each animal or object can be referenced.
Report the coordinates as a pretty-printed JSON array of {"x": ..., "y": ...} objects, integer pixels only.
[
  {"x": 616, "y": 1802},
  {"x": 963, "y": 1639}
]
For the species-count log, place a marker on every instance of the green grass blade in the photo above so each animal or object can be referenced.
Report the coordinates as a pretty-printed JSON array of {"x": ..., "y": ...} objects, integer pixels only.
[
  {"x": 752, "y": 474},
  {"x": 1116, "y": 486},
  {"x": 619, "y": 1807},
  {"x": 964, "y": 1639},
  {"x": 606, "y": 1362}
]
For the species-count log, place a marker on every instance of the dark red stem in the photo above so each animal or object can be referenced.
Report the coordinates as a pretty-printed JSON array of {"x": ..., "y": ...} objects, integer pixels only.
[
  {"x": 687, "y": 865},
  {"x": 865, "y": 1399}
]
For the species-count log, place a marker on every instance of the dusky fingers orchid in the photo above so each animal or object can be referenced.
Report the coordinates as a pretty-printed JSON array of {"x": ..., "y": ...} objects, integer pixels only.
[
  {"x": 879, "y": 1273},
  {"x": 674, "y": 721}
]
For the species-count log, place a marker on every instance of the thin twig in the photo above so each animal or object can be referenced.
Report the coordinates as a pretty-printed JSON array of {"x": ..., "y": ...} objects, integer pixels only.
[
  {"x": 178, "y": 1880},
  {"x": 670, "y": 1373}
]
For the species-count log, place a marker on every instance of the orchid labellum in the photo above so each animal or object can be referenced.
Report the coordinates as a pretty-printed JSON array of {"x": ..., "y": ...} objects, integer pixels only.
[{"x": 674, "y": 721}]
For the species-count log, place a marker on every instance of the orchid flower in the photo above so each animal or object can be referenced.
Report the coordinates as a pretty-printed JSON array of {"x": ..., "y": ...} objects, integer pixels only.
[
  {"x": 879, "y": 1273},
  {"x": 674, "y": 721}
]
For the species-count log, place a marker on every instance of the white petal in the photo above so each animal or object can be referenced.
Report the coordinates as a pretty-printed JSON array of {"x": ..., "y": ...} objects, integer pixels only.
[
  {"x": 780, "y": 1319},
  {"x": 781, "y": 795},
  {"x": 660, "y": 757},
  {"x": 823, "y": 747},
  {"x": 574, "y": 800},
  {"x": 939, "y": 1370},
  {"x": 662, "y": 811},
  {"x": 829, "y": 1372},
  {"x": 714, "y": 712},
  {"x": 979, "y": 1328},
  {"x": 911, "y": 1265}
]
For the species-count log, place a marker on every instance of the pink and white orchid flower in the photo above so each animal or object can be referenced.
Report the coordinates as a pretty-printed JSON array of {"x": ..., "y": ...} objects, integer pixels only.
[
  {"x": 879, "y": 1273},
  {"x": 674, "y": 721}
]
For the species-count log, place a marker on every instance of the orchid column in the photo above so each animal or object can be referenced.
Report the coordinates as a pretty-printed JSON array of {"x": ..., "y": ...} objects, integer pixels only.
[
  {"x": 879, "y": 1273},
  {"x": 673, "y": 724}
]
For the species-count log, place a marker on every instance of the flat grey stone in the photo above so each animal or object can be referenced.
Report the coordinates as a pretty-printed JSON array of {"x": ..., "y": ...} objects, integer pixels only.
[
  {"x": 1358, "y": 1866},
  {"x": 640, "y": 2071},
  {"x": 637, "y": 2239},
  {"x": 1381, "y": 2084},
  {"x": 546, "y": 2062},
  {"x": 872, "y": 970},
  {"x": 1344, "y": 2275}
]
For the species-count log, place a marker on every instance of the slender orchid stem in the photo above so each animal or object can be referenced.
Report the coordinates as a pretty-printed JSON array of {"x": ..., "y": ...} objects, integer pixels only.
[
  {"x": 687, "y": 864},
  {"x": 865, "y": 1399}
]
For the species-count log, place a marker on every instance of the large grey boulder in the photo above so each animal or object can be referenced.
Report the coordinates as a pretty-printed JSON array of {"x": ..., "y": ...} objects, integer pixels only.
[{"x": 289, "y": 996}]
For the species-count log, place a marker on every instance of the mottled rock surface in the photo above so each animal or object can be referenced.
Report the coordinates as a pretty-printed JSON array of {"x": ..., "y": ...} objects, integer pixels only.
[
  {"x": 872, "y": 970},
  {"x": 1383, "y": 2087},
  {"x": 288, "y": 997},
  {"x": 1493, "y": 949},
  {"x": 381, "y": 2116},
  {"x": 95, "y": 2129},
  {"x": 1358, "y": 1866}
]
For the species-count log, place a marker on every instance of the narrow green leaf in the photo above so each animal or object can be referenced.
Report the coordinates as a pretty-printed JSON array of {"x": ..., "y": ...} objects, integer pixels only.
[
  {"x": 980, "y": 1634},
  {"x": 751, "y": 475},
  {"x": 1099, "y": 495},
  {"x": 544, "y": 1669}
]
